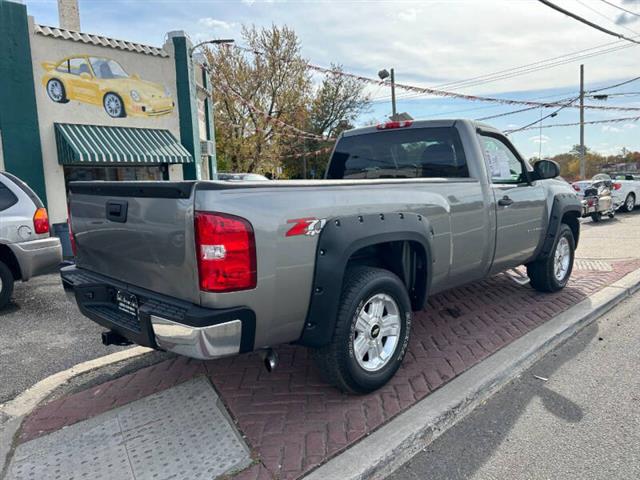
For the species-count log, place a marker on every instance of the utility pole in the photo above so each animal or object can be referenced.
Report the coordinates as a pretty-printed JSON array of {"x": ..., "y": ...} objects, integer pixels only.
[
  {"x": 582, "y": 147},
  {"x": 393, "y": 94}
]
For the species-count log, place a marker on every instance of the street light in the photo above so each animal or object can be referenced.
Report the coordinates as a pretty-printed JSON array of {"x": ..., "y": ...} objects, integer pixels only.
[
  {"x": 384, "y": 74},
  {"x": 219, "y": 41}
]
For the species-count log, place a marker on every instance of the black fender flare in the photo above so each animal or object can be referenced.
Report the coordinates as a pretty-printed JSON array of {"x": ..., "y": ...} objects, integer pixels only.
[
  {"x": 339, "y": 240},
  {"x": 563, "y": 203}
]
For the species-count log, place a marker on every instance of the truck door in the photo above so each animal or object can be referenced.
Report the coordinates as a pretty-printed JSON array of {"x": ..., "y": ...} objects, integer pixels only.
[{"x": 521, "y": 209}]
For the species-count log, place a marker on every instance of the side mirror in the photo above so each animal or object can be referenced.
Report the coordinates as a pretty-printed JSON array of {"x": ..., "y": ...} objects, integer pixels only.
[
  {"x": 135, "y": 76},
  {"x": 544, "y": 169}
]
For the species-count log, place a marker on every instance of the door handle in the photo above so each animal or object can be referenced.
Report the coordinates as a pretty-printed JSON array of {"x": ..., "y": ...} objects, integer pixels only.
[
  {"x": 505, "y": 201},
  {"x": 116, "y": 211}
]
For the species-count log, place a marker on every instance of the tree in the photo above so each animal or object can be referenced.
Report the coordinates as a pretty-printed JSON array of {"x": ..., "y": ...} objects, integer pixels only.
[
  {"x": 271, "y": 76},
  {"x": 336, "y": 104}
]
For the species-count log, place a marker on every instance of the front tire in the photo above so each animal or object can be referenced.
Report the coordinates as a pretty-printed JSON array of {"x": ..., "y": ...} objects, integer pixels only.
[
  {"x": 596, "y": 217},
  {"x": 629, "y": 203},
  {"x": 113, "y": 105},
  {"x": 371, "y": 333},
  {"x": 552, "y": 273},
  {"x": 6, "y": 285}
]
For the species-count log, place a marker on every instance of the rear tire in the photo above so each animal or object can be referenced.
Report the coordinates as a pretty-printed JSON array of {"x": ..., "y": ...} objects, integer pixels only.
[
  {"x": 629, "y": 203},
  {"x": 6, "y": 285},
  {"x": 596, "y": 217},
  {"x": 552, "y": 273},
  {"x": 371, "y": 333}
]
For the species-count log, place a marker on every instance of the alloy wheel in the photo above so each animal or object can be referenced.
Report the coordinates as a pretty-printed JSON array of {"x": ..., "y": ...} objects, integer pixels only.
[
  {"x": 377, "y": 332},
  {"x": 562, "y": 259}
]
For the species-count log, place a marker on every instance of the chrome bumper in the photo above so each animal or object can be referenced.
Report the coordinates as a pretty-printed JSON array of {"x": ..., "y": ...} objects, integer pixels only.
[{"x": 204, "y": 343}]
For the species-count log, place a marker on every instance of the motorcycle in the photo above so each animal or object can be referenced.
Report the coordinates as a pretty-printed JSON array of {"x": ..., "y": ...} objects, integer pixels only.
[{"x": 598, "y": 201}]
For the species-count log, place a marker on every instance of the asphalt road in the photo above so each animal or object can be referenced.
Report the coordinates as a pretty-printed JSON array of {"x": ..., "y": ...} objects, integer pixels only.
[
  {"x": 583, "y": 423},
  {"x": 42, "y": 333}
]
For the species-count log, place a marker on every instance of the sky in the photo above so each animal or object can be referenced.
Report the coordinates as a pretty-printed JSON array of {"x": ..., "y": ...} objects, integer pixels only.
[{"x": 429, "y": 43}]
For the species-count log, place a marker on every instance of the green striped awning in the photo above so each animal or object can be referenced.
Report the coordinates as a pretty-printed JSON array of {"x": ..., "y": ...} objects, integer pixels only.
[{"x": 80, "y": 144}]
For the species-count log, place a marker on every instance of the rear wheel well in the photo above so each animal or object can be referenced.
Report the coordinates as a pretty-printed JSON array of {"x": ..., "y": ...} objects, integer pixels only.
[
  {"x": 406, "y": 259},
  {"x": 9, "y": 259},
  {"x": 571, "y": 219}
]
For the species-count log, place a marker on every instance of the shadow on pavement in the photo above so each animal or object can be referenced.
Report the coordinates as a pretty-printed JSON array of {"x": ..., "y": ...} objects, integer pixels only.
[{"x": 463, "y": 449}]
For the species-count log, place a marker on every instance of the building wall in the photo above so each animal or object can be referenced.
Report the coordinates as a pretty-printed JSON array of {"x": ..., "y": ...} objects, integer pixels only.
[{"x": 48, "y": 51}]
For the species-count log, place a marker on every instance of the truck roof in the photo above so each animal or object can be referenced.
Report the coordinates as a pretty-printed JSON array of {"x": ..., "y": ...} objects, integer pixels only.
[{"x": 415, "y": 124}]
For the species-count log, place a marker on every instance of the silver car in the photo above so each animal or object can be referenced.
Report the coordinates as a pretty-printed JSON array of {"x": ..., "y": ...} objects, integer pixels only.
[{"x": 27, "y": 248}]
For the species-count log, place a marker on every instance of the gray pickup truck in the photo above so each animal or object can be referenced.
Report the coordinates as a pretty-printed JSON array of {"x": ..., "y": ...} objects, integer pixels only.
[{"x": 407, "y": 209}]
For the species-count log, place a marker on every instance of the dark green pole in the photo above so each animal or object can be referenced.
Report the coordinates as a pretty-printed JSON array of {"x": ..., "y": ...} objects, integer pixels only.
[
  {"x": 21, "y": 147},
  {"x": 187, "y": 105}
]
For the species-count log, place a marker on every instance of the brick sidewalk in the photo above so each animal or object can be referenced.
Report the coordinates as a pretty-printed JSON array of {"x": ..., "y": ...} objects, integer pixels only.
[{"x": 293, "y": 422}]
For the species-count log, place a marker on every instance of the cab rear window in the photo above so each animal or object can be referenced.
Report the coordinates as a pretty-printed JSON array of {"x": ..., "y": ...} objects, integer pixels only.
[{"x": 403, "y": 153}]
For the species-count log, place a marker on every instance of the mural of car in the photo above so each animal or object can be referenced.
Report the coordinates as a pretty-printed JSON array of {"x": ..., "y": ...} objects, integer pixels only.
[{"x": 103, "y": 82}]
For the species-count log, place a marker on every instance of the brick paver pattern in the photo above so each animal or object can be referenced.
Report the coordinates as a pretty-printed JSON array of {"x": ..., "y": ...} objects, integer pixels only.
[{"x": 294, "y": 422}]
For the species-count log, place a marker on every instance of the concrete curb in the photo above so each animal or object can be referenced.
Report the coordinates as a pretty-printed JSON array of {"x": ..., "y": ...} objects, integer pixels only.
[
  {"x": 399, "y": 440},
  {"x": 13, "y": 412}
]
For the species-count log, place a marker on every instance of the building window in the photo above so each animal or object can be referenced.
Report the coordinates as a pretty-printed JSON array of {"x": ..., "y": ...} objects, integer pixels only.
[{"x": 74, "y": 173}]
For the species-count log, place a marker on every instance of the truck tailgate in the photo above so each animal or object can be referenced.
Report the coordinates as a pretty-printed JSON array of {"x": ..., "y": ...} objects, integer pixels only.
[{"x": 140, "y": 233}]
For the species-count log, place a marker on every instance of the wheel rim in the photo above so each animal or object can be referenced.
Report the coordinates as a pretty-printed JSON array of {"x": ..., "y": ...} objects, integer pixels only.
[
  {"x": 631, "y": 202},
  {"x": 113, "y": 105},
  {"x": 377, "y": 332},
  {"x": 562, "y": 259},
  {"x": 54, "y": 88}
]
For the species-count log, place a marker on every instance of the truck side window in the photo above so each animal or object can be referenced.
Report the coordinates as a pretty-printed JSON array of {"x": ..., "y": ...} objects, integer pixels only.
[
  {"x": 400, "y": 153},
  {"x": 503, "y": 165}
]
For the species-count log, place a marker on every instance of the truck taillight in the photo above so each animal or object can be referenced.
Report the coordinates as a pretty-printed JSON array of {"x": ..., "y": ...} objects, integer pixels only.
[
  {"x": 72, "y": 237},
  {"x": 41, "y": 221},
  {"x": 576, "y": 187},
  {"x": 617, "y": 186},
  {"x": 226, "y": 251}
]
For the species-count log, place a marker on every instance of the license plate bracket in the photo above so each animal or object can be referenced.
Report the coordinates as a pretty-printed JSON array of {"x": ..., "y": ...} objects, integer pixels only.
[{"x": 127, "y": 303}]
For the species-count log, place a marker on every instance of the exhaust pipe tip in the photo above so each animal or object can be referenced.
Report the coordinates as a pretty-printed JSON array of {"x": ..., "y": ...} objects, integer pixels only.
[{"x": 270, "y": 360}]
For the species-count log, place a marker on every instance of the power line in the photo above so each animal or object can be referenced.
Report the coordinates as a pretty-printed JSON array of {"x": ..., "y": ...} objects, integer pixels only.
[
  {"x": 539, "y": 65},
  {"x": 602, "y": 15},
  {"x": 552, "y": 114},
  {"x": 593, "y": 122},
  {"x": 586, "y": 22},
  {"x": 590, "y": 92},
  {"x": 620, "y": 8},
  {"x": 462, "y": 96}
]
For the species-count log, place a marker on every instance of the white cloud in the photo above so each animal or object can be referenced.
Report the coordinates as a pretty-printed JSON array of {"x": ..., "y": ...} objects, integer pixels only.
[
  {"x": 610, "y": 129},
  {"x": 210, "y": 22},
  {"x": 539, "y": 139},
  {"x": 408, "y": 15},
  {"x": 629, "y": 126}
]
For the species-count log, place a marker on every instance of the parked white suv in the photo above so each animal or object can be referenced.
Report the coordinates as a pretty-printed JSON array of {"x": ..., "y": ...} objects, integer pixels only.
[{"x": 27, "y": 248}]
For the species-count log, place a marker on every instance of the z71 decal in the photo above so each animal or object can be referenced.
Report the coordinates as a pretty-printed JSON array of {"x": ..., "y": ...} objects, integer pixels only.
[{"x": 306, "y": 226}]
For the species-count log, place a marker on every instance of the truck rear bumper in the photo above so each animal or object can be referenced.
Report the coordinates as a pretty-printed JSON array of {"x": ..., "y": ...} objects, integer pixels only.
[{"x": 158, "y": 321}]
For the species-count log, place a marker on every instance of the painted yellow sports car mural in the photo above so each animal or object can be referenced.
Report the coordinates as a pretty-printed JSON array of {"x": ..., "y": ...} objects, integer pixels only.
[{"x": 103, "y": 82}]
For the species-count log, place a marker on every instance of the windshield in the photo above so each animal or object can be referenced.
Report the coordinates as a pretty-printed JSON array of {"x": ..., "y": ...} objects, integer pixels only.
[{"x": 105, "y": 68}]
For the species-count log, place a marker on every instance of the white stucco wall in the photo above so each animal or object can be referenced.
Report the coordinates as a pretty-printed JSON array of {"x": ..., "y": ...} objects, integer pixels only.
[{"x": 156, "y": 69}]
